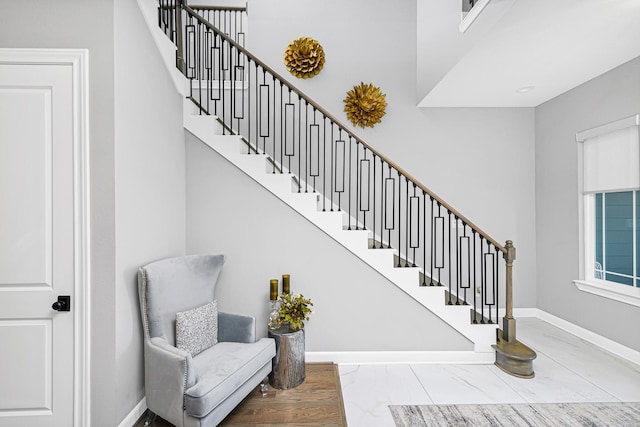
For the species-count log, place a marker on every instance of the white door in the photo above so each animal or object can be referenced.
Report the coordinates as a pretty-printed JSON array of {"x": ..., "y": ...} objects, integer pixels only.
[{"x": 36, "y": 245}]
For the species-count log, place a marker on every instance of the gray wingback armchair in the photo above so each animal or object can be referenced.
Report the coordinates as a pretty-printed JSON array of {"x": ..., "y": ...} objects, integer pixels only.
[{"x": 195, "y": 390}]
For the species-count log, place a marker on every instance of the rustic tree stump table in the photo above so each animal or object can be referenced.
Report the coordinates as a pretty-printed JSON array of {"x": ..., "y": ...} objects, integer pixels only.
[{"x": 288, "y": 364}]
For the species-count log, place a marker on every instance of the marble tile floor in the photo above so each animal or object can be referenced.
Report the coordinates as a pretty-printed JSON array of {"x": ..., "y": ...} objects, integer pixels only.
[{"x": 568, "y": 369}]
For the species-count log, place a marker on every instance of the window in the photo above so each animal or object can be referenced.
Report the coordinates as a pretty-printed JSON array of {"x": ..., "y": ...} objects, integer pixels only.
[
  {"x": 616, "y": 237},
  {"x": 610, "y": 210}
]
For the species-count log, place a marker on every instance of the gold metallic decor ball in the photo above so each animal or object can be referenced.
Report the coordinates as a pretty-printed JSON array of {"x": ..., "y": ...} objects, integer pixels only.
[
  {"x": 365, "y": 105},
  {"x": 304, "y": 57}
]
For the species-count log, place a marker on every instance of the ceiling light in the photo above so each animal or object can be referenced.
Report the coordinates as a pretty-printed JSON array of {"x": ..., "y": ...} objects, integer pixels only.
[{"x": 525, "y": 89}]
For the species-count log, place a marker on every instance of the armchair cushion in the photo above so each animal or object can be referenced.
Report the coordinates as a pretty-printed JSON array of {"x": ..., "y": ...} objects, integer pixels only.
[
  {"x": 222, "y": 369},
  {"x": 236, "y": 327},
  {"x": 197, "y": 329}
]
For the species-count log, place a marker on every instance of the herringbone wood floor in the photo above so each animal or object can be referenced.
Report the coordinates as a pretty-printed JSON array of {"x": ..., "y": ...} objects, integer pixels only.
[{"x": 316, "y": 402}]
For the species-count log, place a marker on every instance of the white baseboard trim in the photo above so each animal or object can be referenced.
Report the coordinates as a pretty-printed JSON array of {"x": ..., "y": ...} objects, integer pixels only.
[
  {"x": 135, "y": 414},
  {"x": 524, "y": 312},
  {"x": 399, "y": 357},
  {"x": 585, "y": 334}
]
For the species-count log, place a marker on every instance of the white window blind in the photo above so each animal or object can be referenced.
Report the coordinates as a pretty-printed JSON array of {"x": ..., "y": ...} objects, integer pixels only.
[{"x": 611, "y": 157}]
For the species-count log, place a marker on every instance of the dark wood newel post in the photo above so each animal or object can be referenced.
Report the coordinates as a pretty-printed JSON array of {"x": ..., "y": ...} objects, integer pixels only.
[
  {"x": 512, "y": 356},
  {"x": 180, "y": 52},
  {"x": 509, "y": 323}
]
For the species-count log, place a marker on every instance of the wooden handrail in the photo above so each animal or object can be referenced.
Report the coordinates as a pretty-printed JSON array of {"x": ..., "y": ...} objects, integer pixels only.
[
  {"x": 337, "y": 122},
  {"x": 222, "y": 8}
]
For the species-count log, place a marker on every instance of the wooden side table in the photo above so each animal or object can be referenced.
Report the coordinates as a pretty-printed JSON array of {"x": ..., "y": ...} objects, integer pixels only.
[{"x": 288, "y": 364}]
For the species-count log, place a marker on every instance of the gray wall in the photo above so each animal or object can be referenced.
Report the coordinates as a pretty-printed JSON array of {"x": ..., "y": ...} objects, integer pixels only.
[
  {"x": 85, "y": 24},
  {"x": 481, "y": 161},
  {"x": 149, "y": 185},
  {"x": 134, "y": 115},
  {"x": 356, "y": 309},
  {"x": 609, "y": 97}
]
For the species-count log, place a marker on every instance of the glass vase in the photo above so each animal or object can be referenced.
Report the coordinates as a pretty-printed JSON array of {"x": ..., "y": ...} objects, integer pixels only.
[{"x": 273, "y": 314}]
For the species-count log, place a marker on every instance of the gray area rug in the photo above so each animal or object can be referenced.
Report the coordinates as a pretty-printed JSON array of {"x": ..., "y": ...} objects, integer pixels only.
[{"x": 530, "y": 415}]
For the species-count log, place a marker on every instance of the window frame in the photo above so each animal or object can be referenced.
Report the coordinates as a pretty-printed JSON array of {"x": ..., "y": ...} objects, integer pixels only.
[{"x": 587, "y": 282}]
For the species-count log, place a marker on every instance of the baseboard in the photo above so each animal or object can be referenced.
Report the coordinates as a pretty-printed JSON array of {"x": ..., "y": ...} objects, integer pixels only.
[
  {"x": 399, "y": 357},
  {"x": 135, "y": 414},
  {"x": 585, "y": 334}
]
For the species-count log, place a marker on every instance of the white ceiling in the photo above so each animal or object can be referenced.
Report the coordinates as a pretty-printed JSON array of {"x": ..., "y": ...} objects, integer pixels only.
[{"x": 550, "y": 45}]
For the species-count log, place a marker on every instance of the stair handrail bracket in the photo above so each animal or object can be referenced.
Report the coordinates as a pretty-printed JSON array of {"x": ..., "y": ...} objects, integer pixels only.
[{"x": 325, "y": 156}]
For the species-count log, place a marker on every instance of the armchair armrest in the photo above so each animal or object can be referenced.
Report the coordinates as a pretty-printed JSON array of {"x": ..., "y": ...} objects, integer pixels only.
[
  {"x": 236, "y": 328},
  {"x": 168, "y": 374}
]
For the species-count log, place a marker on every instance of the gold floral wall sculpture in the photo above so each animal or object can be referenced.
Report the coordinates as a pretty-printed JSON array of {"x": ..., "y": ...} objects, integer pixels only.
[
  {"x": 365, "y": 105},
  {"x": 304, "y": 57}
]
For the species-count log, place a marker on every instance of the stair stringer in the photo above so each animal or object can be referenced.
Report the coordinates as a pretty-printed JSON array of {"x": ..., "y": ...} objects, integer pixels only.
[{"x": 257, "y": 167}]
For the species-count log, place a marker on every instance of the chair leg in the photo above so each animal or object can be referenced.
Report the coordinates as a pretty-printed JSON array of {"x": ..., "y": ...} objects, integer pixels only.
[
  {"x": 264, "y": 386},
  {"x": 149, "y": 419}
]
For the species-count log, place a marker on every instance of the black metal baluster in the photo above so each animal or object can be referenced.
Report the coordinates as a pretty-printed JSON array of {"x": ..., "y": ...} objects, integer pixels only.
[
  {"x": 249, "y": 106},
  {"x": 341, "y": 155},
  {"x": 497, "y": 281},
  {"x": 350, "y": 187},
  {"x": 389, "y": 187},
  {"x": 440, "y": 265},
  {"x": 299, "y": 143},
  {"x": 240, "y": 68},
  {"x": 281, "y": 134},
  {"x": 273, "y": 153},
  {"x": 382, "y": 202},
  {"x": 475, "y": 283},
  {"x": 289, "y": 135},
  {"x": 424, "y": 239},
  {"x": 433, "y": 243},
  {"x": 407, "y": 225},
  {"x": 399, "y": 220},
  {"x": 357, "y": 200},
  {"x": 449, "y": 251},
  {"x": 324, "y": 162},
  {"x": 488, "y": 255},
  {"x": 314, "y": 148},
  {"x": 364, "y": 201},
  {"x": 229, "y": 75},
  {"x": 482, "y": 278},
  {"x": 331, "y": 168},
  {"x": 262, "y": 90},
  {"x": 373, "y": 222},
  {"x": 198, "y": 47},
  {"x": 468, "y": 263},
  {"x": 221, "y": 91},
  {"x": 414, "y": 221},
  {"x": 306, "y": 148},
  {"x": 455, "y": 218},
  {"x": 232, "y": 94}
]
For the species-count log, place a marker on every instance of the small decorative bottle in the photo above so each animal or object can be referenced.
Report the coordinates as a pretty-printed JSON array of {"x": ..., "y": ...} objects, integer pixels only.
[{"x": 273, "y": 302}]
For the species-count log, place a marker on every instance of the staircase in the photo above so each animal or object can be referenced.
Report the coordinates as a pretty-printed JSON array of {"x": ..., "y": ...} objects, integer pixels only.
[
  {"x": 335, "y": 224},
  {"x": 303, "y": 155}
]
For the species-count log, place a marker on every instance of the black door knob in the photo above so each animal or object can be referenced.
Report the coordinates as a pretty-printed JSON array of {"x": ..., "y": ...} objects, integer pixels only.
[{"x": 63, "y": 303}]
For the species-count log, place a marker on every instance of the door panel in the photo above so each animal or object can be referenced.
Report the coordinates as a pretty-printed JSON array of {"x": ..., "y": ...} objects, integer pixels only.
[
  {"x": 25, "y": 186},
  {"x": 31, "y": 355},
  {"x": 36, "y": 244}
]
